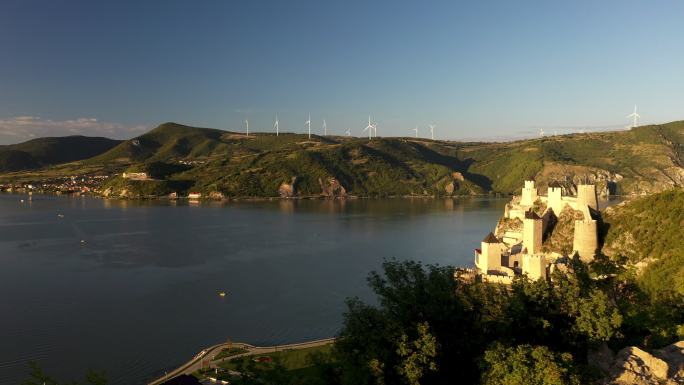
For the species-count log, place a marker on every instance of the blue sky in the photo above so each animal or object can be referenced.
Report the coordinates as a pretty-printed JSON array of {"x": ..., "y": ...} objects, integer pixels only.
[{"x": 477, "y": 69}]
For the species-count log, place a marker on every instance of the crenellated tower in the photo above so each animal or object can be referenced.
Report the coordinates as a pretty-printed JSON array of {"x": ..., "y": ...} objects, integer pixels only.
[
  {"x": 555, "y": 199},
  {"x": 586, "y": 195},
  {"x": 585, "y": 239},
  {"x": 529, "y": 194},
  {"x": 532, "y": 232}
]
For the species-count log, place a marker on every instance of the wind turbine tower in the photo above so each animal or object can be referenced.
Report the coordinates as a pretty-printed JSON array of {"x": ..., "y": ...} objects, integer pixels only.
[
  {"x": 635, "y": 117},
  {"x": 415, "y": 130},
  {"x": 432, "y": 131},
  {"x": 308, "y": 125},
  {"x": 247, "y": 125},
  {"x": 369, "y": 128},
  {"x": 325, "y": 128},
  {"x": 541, "y": 132},
  {"x": 276, "y": 125}
]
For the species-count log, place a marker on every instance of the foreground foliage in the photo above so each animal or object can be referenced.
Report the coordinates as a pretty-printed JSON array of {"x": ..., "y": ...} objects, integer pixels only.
[{"x": 490, "y": 334}]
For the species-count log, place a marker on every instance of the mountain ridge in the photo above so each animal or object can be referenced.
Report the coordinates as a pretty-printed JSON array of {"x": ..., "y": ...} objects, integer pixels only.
[{"x": 641, "y": 160}]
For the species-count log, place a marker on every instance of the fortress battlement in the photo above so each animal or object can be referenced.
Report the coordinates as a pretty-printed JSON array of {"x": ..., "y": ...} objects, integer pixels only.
[{"x": 519, "y": 251}]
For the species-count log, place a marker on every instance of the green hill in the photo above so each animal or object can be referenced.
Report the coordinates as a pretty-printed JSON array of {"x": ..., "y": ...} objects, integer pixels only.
[
  {"x": 649, "y": 230},
  {"x": 233, "y": 164},
  {"x": 43, "y": 152},
  {"x": 642, "y": 160}
]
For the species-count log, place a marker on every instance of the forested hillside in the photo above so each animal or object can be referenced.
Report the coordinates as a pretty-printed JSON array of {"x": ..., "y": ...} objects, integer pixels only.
[{"x": 650, "y": 230}]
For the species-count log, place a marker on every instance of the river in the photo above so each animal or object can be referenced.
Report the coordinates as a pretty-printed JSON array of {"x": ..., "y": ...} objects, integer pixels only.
[{"x": 133, "y": 287}]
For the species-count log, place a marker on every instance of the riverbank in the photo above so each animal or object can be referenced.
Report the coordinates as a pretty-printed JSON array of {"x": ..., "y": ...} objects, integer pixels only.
[{"x": 207, "y": 358}]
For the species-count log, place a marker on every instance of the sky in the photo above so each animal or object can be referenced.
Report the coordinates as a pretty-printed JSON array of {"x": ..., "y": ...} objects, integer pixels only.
[{"x": 481, "y": 69}]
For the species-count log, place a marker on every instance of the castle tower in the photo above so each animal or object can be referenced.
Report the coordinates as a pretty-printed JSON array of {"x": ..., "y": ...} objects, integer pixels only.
[
  {"x": 490, "y": 258},
  {"x": 534, "y": 266},
  {"x": 529, "y": 194},
  {"x": 555, "y": 199},
  {"x": 585, "y": 240},
  {"x": 586, "y": 195},
  {"x": 532, "y": 233}
]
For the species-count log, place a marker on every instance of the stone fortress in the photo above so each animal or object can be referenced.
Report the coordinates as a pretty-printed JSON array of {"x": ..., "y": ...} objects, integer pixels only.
[{"x": 522, "y": 242}]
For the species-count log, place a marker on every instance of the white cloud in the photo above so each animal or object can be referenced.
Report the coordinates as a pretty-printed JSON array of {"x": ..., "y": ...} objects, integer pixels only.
[{"x": 20, "y": 128}]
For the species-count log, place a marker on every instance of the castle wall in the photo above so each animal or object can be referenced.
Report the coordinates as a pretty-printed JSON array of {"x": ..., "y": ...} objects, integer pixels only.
[
  {"x": 585, "y": 240},
  {"x": 532, "y": 235},
  {"x": 515, "y": 260}
]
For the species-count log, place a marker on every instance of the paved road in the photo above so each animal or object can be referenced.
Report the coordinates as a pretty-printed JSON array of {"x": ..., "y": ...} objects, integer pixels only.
[{"x": 211, "y": 352}]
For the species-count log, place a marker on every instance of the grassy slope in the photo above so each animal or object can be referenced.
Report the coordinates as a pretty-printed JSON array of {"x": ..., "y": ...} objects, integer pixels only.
[
  {"x": 646, "y": 159},
  {"x": 41, "y": 152},
  {"x": 650, "y": 228}
]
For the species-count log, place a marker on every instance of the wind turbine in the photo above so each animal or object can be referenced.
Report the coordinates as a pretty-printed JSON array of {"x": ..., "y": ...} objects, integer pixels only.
[
  {"x": 375, "y": 129},
  {"x": 432, "y": 131},
  {"x": 276, "y": 125},
  {"x": 325, "y": 128},
  {"x": 415, "y": 130},
  {"x": 541, "y": 132},
  {"x": 635, "y": 117},
  {"x": 308, "y": 124},
  {"x": 247, "y": 125},
  {"x": 348, "y": 131},
  {"x": 369, "y": 127}
]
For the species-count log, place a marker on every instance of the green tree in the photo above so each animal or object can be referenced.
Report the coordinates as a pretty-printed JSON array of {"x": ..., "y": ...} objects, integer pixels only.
[
  {"x": 597, "y": 318},
  {"x": 527, "y": 365},
  {"x": 417, "y": 356}
]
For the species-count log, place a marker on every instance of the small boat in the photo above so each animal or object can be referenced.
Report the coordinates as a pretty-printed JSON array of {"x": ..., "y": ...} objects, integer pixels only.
[
  {"x": 60, "y": 215},
  {"x": 222, "y": 294}
]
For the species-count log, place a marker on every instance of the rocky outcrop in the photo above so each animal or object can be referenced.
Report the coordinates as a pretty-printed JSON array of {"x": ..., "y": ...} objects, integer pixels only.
[
  {"x": 569, "y": 176},
  {"x": 453, "y": 184},
  {"x": 287, "y": 190},
  {"x": 331, "y": 187},
  {"x": 216, "y": 195},
  {"x": 457, "y": 176},
  {"x": 634, "y": 366}
]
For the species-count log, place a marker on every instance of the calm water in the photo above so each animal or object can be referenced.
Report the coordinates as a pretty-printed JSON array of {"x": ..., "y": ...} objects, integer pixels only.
[{"x": 141, "y": 294}]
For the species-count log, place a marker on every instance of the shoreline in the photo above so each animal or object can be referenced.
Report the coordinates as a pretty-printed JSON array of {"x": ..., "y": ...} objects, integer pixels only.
[{"x": 200, "y": 358}]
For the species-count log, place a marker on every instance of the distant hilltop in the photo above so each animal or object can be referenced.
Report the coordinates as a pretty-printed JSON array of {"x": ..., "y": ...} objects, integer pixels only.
[{"x": 178, "y": 160}]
